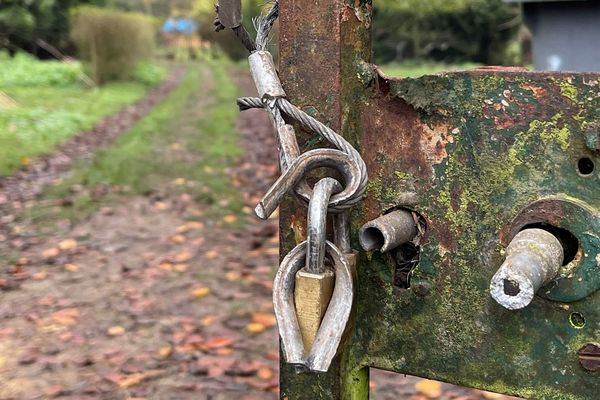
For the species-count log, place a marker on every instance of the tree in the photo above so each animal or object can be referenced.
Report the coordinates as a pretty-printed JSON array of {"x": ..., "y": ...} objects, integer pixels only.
[{"x": 24, "y": 23}]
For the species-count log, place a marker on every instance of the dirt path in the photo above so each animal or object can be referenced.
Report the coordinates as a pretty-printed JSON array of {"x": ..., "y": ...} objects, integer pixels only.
[
  {"x": 149, "y": 299},
  {"x": 154, "y": 298}
]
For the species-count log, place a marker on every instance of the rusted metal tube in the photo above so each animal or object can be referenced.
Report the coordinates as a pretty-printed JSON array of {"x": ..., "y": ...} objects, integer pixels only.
[
  {"x": 388, "y": 231},
  {"x": 533, "y": 259}
]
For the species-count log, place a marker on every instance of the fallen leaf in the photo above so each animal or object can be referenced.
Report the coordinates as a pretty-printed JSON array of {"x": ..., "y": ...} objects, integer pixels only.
[
  {"x": 255, "y": 327},
  {"x": 166, "y": 266},
  {"x": 68, "y": 244},
  {"x": 71, "y": 267},
  {"x": 66, "y": 316},
  {"x": 211, "y": 254},
  {"x": 178, "y": 239},
  {"x": 218, "y": 342},
  {"x": 116, "y": 330},
  {"x": 131, "y": 380},
  {"x": 183, "y": 257},
  {"x": 25, "y": 161},
  {"x": 50, "y": 253},
  {"x": 165, "y": 352},
  {"x": 179, "y": 181},
  {"x": 492, "y": 396},
  {"x": 230, "y": 219},
  {"x": 429, "y": 388},
  {"x": 54, "y": 391},
  {"x": 209, "y": 320},
  {"x": 201, "y": 292},
  {"x": 40, "y": 276},
  {"x": 23, "y": 261},
  {"x": 193, "y": 225},
  {"x": 264, "y": 373},
  {"x": 159, "y": 205},
  {"x": 233, "y": 276},
  {"x": 268, "y": 320},
  {"x": 224, "y": 351},
  {"x": 181, "y": 267}
]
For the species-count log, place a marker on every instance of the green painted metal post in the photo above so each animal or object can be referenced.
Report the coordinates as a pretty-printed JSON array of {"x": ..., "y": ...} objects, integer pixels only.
[{"x": 480, "y": 155}]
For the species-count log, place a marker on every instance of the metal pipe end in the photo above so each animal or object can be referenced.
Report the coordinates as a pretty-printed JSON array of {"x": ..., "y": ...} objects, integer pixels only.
[
  {"x": 388, "y": 231},
  {"x": 533, "y": 258},
  {"x": 260, "y": 211},
  {"x": 512, "y": 290}
]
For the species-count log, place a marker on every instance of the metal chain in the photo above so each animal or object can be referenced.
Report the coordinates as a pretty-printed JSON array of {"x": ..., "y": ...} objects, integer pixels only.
[{"x": 328, "y": 195}]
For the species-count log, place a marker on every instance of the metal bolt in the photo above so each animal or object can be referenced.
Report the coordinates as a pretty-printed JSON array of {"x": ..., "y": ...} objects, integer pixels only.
[
  {"x": 589, "y": 357},
  {"x": 388, "y": 231},
  {"x": 533, "y": 259}
]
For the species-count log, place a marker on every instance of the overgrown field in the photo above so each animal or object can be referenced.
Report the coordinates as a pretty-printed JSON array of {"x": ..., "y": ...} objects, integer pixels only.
[{"x": 42, "y": 103}]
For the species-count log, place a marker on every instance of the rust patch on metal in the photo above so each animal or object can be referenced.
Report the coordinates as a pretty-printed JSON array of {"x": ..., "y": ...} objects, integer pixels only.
[{"x": 433, "y": 142}]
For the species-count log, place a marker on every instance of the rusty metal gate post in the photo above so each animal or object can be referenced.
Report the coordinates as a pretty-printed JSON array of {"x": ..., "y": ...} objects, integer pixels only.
[
  {"x": 500, "y": 170},
  {"x": 324, "y": 48}
]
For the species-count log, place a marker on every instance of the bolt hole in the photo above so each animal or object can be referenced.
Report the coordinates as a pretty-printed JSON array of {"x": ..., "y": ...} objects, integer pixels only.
[
  {"x": 569, "y": 242},
  {"x": 406, "y": 258},
  {"x": 511, "y": 288},
  {"x": 577, "y": 320},
  {"x": 585, "y": 166}
]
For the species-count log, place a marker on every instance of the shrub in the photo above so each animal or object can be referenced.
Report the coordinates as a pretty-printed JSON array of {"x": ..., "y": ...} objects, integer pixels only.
[
  {"x": 112, "y": 43},
  {"x": 24, "y": 70}
]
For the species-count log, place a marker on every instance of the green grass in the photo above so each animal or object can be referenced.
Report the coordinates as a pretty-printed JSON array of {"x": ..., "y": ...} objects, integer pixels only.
[
  {"x": 415, "y": 69},
  {"x": 43, "y": 103},
  {"x": 45, "y": 116},
  {"x": 186, "y": 144}
]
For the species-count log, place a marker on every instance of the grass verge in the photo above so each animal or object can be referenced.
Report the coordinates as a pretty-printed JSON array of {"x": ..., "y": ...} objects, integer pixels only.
[
  {"x": 414, "y": 69},
  {"x": 187, "y": 144}
]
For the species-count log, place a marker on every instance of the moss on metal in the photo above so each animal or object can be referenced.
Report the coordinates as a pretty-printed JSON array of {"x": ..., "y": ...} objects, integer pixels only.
[{"x": 515, "y": 140}]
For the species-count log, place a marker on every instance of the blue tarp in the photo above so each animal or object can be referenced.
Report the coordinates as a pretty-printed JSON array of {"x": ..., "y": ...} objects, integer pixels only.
[{"x": 180, "y": 25}]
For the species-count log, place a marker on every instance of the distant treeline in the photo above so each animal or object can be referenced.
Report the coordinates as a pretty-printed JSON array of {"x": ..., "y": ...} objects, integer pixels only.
[
  {"x": 482, "y": 31},
  {"x": 446, "y": 30}
]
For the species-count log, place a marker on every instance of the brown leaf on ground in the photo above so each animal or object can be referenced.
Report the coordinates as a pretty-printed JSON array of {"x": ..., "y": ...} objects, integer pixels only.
[
  {"x": 68, "y": 244},
  {"x": 116, "y": 330},
  {"x": 50, "y": 253},
  {"x": 265, "y": 373},
  {"x": 165, "y": 351},
  {"x": 201, "y": 292},
  {"x": 429, "y": 388},
  {"x": 40, "y": 276},
  {"x": 218, "y": 342},
  {"x": 268, "y": 320},
  {"x": 255, "y": 327},
  {"x": 66, "y": 316},
  {"x": 211, "y": 254},
  {"x": 230, "y": 219},
  {"x": 183, "y": 257},
  {"x": 54, "y": 391},
  {"x": 209, "y": 320},
  {"x": 178, "y": 239},
  {"x": 71, "y": 267},
  {"x": 181, "y": 267}
]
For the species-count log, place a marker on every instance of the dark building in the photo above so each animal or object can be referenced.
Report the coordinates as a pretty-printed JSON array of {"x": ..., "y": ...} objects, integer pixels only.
[{"x": 566, "y": 34}]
